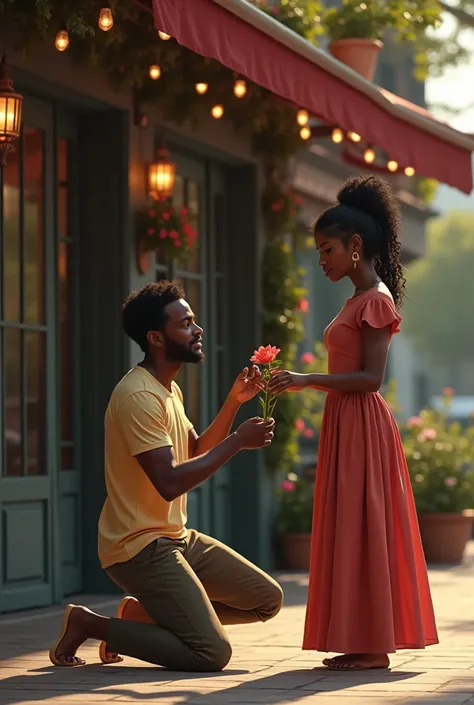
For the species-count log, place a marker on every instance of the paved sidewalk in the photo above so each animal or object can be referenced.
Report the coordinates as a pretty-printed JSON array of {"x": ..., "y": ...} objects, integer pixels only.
[{"x": 268, "y": 665}]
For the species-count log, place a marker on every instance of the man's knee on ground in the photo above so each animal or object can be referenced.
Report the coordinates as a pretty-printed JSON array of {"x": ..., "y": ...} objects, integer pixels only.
[
  {"x": 214, "y": 656},
  {"x": 272, "y": 595}
]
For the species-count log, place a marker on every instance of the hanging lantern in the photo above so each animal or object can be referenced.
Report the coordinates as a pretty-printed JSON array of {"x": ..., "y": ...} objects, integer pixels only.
[
  {"x": 369, "y": 155},
  {"x": 106, "y": 19},
  {"x": 217, "y": 111},
  {"x": 240, "y": 88},
  {"x": 305, "y": 133},
  {"x": 10, "y": 112},
  {"x": 392, "y": 165},
  {"x": 201, "y": 88},
  {"x": 154, "y": 72},
  {"x": 163, "y": 35},
  {"x": 337, "y": 135},
  {"x": 62, "y": 40},
  {"x": 161, "y": 175},
  {"x": 409, "y": 171},
  {"x": 302, "y": 117}
]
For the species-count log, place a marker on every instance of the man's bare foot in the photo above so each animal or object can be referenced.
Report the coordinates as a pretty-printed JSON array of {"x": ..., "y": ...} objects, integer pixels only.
[
  {"x": 128, "y": 608},
  {"x": 357, "y": 662},
  {"x": 78, "y": 624}
]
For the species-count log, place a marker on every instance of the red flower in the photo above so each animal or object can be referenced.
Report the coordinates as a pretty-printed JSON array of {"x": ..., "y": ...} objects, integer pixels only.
[
  {"x": 151, "y": 231},
  {"x": 448, "y": 392},
  {"x": 166, "y": 215},
  {"x": 265, "y": 355},
  {"x": 308, "y": 433},
  {"x": 276, "y": 207},
  {"x": 177, "y": 243},
  {"x": 297, "y": 201},
  {"x": 299, "y": 425},
  {"x": 184, "y": 211},
  {"x": 163, "y": 233},
  {"x": 152, "y": 214},
  {"x": 287, "y": 486},
  {"x": 303, "y": 305},
  {"x": 174, "y": 235},
  {"x": 307, "y": 358}
]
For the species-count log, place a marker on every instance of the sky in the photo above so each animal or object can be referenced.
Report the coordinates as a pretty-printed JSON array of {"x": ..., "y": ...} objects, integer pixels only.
[{"x": 455, "y": 87}]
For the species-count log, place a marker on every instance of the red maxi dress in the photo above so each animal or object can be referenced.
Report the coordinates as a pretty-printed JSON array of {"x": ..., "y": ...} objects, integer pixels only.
[{"x": 368, "y": 585}]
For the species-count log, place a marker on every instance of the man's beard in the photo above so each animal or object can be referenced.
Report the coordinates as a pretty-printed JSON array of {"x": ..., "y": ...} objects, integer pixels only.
[{"x": 177, "y": 352}]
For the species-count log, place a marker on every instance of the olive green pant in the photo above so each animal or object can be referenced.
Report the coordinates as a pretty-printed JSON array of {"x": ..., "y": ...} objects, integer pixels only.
[{"x": 189, "y": 588}]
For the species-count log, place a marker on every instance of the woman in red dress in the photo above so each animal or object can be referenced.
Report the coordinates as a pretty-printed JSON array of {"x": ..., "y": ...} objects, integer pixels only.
[{"x": 368, "y": 589}]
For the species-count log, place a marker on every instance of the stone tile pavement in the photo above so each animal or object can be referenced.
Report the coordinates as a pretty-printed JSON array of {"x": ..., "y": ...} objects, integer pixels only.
[{"x": 268, "y": 665}]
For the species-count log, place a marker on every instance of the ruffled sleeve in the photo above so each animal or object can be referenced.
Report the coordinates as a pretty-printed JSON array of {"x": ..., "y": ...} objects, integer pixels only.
[{"x": 379, "y": 312}]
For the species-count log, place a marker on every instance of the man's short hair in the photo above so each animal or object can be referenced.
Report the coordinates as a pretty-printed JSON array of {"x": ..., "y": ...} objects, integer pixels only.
[{"x": 144, "y": 310}]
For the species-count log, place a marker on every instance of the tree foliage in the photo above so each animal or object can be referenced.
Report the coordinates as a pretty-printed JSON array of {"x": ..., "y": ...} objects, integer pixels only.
[{"x": 439, "y": 313}]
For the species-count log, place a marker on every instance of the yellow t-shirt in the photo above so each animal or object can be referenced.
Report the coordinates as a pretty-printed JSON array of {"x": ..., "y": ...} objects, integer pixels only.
[{"x": 141, "y": 415}]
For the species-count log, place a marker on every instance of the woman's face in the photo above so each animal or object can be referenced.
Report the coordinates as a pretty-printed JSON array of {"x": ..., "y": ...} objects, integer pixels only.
[{"x": 335, "y": 259}]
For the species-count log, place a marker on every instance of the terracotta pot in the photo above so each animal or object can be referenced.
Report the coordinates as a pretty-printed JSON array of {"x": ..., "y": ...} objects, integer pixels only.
[
  {"x": 359, "y": 54},
  {"x": 296, "y": 549},
  {"x": 444, "y": 536}
]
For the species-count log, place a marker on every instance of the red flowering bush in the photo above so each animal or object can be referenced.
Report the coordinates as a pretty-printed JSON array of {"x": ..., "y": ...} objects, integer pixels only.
[
  {"x": 295, "y": 505},
  {"x": 167, "y": 230}
]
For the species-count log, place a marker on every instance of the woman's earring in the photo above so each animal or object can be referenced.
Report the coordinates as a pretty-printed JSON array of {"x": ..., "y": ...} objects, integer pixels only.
[{"x": 355, "y": 258}]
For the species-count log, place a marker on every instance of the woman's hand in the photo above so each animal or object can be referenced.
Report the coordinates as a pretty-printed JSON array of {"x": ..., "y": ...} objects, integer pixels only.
[{"x": 286, "y": 381}]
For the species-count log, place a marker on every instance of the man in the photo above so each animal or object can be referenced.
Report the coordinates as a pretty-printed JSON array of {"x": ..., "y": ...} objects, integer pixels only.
[{"x": 182, "y": 586}]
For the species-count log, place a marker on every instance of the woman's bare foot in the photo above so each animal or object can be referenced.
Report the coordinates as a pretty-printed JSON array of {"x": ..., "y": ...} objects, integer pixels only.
[
  {"x": 357, "y": 662},
  {"x": 78, "y": 625},
  {"x": 128, "y": 608}
]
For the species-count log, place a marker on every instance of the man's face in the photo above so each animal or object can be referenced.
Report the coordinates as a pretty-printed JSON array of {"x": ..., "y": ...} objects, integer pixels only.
[{"x": 182, "y": 335}]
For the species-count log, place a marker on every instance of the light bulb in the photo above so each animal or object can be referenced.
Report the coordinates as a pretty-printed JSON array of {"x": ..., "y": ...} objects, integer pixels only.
[
  {"x": 392, "y": 165},
  {"x": 62, "y": 40},
  {"x": 217, "y": 111},
  {"x": 305, "y": 133},
  {"x": 106, "y": 19},
  {"x": 337, "y": 135},
  {"x": 369, "y": 155},
  {"x": 154, "y": 72},
  {"x": 163, "y": 35},
  {"x": 240, "y": 88},
  {"x": 354, "y": 136},
  {"x": 409, "y": 171},
  {"x": 201, "y": 88},
  {"x": 302, "y": 117}
]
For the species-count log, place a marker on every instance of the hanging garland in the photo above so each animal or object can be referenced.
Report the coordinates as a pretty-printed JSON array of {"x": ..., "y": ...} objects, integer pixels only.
[{"x": 166, "y": 230}]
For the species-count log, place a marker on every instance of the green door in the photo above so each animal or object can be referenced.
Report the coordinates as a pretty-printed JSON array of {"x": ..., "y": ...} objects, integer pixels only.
[
  {"x": 199, "y": 186},
  {"x": 39, "y": 524}
]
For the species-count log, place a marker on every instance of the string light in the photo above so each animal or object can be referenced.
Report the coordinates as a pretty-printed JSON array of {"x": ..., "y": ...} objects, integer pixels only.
[
  {"x": 354, "y": 136},
  {"x": 163, "y": 35},
  {"x": 305, "y": 133},
  {"x": 369, "y": 155},
  {"x": 106, "y": 19},
  {"x": 217, "y": 111},
  {"x": 302, "y": 117},
  {"x": 337, "y": 135},
  {"x": 154, "y": 72},
  {"x": 392, "y": 165},
  {"x": 240, "y": 88},
  {"x": 409, "y": 171},
  {"x": 62, "y": 40},
  {"x": 201, "y": 88}
]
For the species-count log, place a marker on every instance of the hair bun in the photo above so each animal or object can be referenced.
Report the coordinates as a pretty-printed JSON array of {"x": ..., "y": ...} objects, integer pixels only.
[{"x": 375, "y": 197}]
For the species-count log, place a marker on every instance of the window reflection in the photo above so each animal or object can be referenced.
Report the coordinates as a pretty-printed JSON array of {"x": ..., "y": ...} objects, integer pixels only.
[{"x": 33, "y": 235}]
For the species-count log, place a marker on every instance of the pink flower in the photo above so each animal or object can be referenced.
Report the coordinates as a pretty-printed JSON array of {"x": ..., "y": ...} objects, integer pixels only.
[
  {"x": 166, "y": 215},
  {"x": 276, "y": 207},
  {"x": 450, "y": 481},
  {"x": 184, "y": 211},
  {"x": 428, "y": 434},
  {"x": 287, "y": 486},
  {"x": 307, "y": 358},
  {"x": 414, "y": 421},
  {"x": 174, "y": 235},
  {"x": 299, "y": 425},
  {"x": 150, "y": 231},
  {"x": 448, "y": 392},
  {"x": 163, "y": 233},
  {"x": 265, "y": 355},
  {"x": 274, "y": 10},
  {"x": 303, "y": 305},
  {"x": 308, "y": 433},
  {"x": 177, "y": 243}
]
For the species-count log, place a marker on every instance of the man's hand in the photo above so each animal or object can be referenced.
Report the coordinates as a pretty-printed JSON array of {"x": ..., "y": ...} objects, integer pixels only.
[
  {"x": 255, "y": 433},
  {"x": 247, "y": 385},
  {"x": 286, "y": 381}
]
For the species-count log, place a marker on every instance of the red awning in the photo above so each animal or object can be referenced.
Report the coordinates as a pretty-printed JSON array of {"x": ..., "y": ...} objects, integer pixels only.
[{"x": 258, "y": 47}]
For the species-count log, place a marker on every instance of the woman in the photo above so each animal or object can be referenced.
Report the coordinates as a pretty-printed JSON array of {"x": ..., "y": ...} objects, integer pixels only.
[{"x": 368, "y": 590}]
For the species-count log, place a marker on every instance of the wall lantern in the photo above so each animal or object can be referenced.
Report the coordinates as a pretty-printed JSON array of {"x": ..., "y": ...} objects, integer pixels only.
[
  {"x": 10, "y": 111},
  {"x": 161, "y": 175}
]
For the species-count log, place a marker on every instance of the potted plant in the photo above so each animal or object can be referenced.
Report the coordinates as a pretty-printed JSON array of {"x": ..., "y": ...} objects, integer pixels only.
[
  {"x": 440, "y": 457},
  {"x": 165, "y": 229},
  {"x": 294, "y": 517},
  {"x": 355, "y": 28}
]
